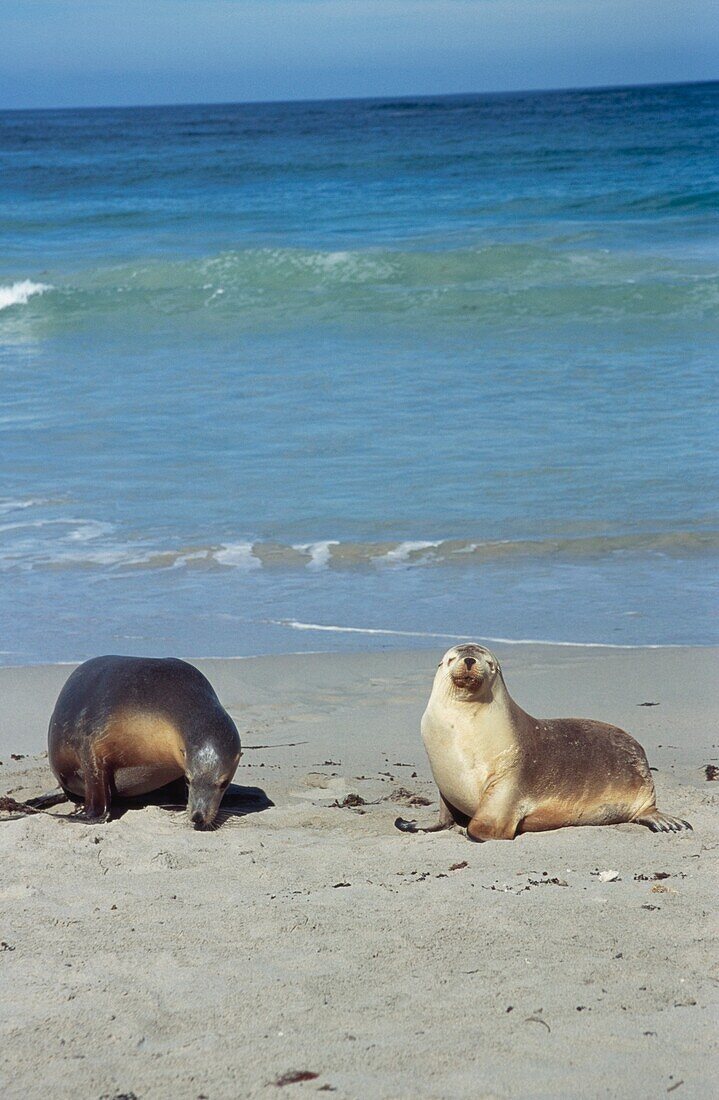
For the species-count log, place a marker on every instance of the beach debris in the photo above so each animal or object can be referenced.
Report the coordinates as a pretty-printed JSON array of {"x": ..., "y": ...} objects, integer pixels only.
[
  {"x": 294, "y": 1077},
  {"x": 547, "y": 882},
  {"x": 675, "y": 1085},
  {"x": 537, "y": 1020},
  {"x": 711, "y": 771},
  {"x": 5, "y": 946},
  {"x": 281, "y": 745},
  {"x": 459, "y": 866},
  {"x": 328, "y": 764},
  {"x": 350, "y": 801},
  {"x": 408, "y": 798},
  {"x": 17, "y": 755},
  {"x": 651, "y": 907},
  {"x": 337, "y": 886},
  {"x": 647, "y": 704},
  {"x": 608, "y": 876},
  {"x": 10, "y": 805},
  {"x": 657, "y": 876}
]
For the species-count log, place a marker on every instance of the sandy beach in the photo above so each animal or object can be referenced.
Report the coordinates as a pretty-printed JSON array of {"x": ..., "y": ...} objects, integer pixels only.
[{"x": 305, "y": 938}]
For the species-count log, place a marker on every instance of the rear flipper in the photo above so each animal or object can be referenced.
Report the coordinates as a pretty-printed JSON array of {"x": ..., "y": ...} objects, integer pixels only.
[
  {"x": 405, "y": 826},
  {"x": 662, "y": 823}
]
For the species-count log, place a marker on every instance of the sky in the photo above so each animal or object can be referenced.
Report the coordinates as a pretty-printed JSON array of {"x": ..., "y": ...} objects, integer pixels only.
[{"x": 61, "y": 53}]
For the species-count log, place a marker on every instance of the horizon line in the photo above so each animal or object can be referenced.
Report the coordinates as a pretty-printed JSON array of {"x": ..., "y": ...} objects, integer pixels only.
[{"x": 366, "y": 98}]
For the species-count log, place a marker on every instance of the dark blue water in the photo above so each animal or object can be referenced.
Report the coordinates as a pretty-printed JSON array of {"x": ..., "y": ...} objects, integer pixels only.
[{"x": 436, "y": 366}]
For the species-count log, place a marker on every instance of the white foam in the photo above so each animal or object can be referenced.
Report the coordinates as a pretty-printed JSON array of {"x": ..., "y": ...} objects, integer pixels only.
[
  {"x": 238, "y": 554},
  {"x": 88, "y": 529},
  {"x": 401, "y": 553},
  {"x": 319, "y": 552},
  {"x": 294, "y": 624},
  {"x": 8, "y": 504},
  {"x": 20, "y": 293}
]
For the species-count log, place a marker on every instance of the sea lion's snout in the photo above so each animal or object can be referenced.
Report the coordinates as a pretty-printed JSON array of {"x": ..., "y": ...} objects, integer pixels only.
[
  {"x": 203, "y": 803},
  {"x": 469, "y": 667}
]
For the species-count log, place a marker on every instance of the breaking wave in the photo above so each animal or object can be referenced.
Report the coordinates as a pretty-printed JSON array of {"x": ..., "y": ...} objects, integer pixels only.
[
  {"x": 19, "y": 294},
  {"x": 70, "y": 543},
  {"x": 266, "y": 287}
]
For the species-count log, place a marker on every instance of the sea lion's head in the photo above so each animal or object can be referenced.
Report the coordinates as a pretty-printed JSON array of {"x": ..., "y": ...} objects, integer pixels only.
[
  {"x": 468, "y": 670},
  {"x": 208, "y": 773}
]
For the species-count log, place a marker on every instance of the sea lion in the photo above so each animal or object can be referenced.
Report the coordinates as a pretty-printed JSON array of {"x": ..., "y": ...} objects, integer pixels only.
[
  {"x": 128, "y": 725},
  {"x": 501, "y": 772}
]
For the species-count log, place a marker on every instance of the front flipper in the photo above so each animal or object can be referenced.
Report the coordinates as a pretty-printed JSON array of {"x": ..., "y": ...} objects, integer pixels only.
[
  {"x": 448, "y": 818},
  {"x": 496, "y": 817}
]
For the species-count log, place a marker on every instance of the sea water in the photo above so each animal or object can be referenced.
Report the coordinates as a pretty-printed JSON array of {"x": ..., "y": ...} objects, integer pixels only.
[{"x": 385, "y": 372}]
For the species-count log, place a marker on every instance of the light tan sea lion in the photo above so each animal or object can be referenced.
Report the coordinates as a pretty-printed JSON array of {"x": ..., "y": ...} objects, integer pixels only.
[
  {"x": 501, "y": 772},
  {"x": 128, "y": 725}
]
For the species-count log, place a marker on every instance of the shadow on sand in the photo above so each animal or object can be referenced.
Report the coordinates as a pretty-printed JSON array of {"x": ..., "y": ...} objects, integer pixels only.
[{"x": 238, "y": 802}]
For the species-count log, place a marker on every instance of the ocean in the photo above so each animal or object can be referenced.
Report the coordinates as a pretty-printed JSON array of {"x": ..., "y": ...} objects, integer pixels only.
[{"x": 306, "y": 376}]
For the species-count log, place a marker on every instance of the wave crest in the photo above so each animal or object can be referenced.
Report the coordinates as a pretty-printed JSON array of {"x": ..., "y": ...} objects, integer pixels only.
[
  {"x": 89, "y": 544},
  {"x": 261, "y": 288},
  {"x": 19, "y": 294}
]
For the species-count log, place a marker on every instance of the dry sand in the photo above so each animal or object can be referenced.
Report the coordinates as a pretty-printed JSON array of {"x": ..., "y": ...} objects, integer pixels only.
[{"x": 141, "y": 958}]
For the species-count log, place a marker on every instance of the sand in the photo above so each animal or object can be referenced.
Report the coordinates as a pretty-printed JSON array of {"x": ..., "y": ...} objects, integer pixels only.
[{"x": 141, "y": 958}]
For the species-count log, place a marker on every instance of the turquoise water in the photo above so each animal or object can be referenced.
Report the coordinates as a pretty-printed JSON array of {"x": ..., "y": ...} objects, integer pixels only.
[{"x": 434, "y": 367}]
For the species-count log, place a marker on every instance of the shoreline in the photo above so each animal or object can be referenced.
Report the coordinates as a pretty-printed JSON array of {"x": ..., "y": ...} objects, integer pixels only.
[{"x": 433, "y": 640}]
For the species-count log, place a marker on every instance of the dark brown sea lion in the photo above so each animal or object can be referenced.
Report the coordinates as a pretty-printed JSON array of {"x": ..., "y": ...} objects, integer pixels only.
[
  {"x": 502, "y": 772},
  {"x": 124, "y": 726}
]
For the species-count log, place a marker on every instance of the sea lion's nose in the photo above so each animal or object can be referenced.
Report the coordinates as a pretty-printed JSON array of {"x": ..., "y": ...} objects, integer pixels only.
[
  {"x": 469, "y": 661},
  {"x": 197, "y": 818}
]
